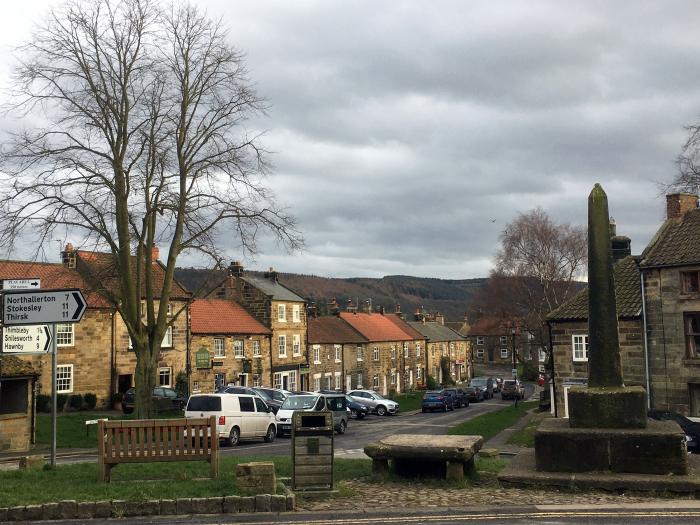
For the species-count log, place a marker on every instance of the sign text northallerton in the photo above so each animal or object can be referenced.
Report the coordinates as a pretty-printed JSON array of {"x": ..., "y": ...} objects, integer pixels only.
[{"x": 48, "y": 306}]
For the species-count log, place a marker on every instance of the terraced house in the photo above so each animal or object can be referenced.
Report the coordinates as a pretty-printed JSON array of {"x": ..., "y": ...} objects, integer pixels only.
[
  {"x": 443, "y": 342},
  {"x": 336, "y": 354},
  {"x": 228, "y": 345}
]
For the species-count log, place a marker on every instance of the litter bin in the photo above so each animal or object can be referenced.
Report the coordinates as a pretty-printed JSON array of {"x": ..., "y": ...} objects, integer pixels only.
[{"x": 312, "y": 450}]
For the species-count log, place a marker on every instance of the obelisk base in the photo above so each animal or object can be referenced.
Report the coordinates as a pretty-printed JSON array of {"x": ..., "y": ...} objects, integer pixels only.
[{"x": 610, "y": 407}]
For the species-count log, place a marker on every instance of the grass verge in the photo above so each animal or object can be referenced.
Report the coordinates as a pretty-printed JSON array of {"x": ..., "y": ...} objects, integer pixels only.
[
  {"x": 488, "y": 425},
  {"x": 525, "y": 437},
  {"x": 71, "y": 431},
  {"x": 145, "y": 481},
  {"x": 409, "y": 402}
]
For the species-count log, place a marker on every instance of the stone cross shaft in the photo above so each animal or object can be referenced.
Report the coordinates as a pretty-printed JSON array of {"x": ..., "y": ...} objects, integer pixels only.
[{"x": 604, "y": 368}]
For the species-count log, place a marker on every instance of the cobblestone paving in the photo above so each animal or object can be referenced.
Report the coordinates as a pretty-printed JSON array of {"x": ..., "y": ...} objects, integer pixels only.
[{"x": 366, "y": 495}]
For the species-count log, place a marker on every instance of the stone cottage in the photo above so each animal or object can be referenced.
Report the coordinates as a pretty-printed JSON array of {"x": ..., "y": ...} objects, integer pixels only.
[{"x": 442, "y": 341}]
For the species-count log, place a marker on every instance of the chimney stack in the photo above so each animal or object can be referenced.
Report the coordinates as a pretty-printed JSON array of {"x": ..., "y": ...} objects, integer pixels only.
[
  {"x": 271, "y": 274},
  {"x": 155, "y": 252},
  {"x": 440, "y": 319},
  {"x": 351, "y": 307},
  {"x": 620, "y": 245},
  {"x": 333, "y": 307},
  {"x": 677, "y": 204},
  {"x": 69, "y": 256},
  {"x": 397, "y": 308},
  {"x": 235, "y": 269}
]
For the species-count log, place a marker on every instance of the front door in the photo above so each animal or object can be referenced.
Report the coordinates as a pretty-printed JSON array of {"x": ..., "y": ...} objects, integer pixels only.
[
  {"x": 242, "y": 380},
  {"x": 285, "y": 382}
]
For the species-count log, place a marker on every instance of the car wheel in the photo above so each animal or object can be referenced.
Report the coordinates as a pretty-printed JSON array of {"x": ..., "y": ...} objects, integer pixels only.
[
  {"x": 341, "y": 427},
  {"x": 233, "y": 437},
  {"x": 354, "y": 413},
  {"x": 271, "y": 434},
  {"x": 381, "y": 410}
]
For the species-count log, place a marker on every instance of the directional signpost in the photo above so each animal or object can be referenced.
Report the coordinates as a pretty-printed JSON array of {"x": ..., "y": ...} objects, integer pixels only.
[
  {"x": 22, "y": 307},
  {"x": 30, "y": 339},
  {"x": 21, "y": 284}
]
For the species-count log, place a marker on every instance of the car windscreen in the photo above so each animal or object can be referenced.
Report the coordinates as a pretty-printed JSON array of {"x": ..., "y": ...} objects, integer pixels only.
[
  {"x": 204, "y": 404},
  {"x": 299, "y": 403},
  {"x": 379, "y": 396}
]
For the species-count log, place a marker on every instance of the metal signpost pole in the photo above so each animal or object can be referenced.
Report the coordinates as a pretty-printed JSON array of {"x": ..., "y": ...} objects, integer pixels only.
[{"x": 54, "y": 396}]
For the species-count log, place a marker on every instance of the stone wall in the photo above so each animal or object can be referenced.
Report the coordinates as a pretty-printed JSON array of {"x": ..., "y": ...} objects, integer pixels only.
[
  {"x": 568, "y": 371},
  {"x": 674, "y": 371}
]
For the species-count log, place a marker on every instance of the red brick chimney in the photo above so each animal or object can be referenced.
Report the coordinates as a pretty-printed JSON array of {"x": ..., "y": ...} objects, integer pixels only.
[
  {"x": 69, "y": 256},
  {"x": 677, "y": 204},
  {"x": 155, "y": 252}
]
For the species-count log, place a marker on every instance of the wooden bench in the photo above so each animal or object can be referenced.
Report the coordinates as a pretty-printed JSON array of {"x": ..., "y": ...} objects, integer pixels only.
[
  {"x": 412, "y": 454},
  {"x": 153, "y": 440}
]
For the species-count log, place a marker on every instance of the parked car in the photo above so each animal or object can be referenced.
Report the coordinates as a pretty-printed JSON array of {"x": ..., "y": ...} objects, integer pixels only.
[
  {"x": 273, "y": 397},
  {"x": 463, "y": 397},
  {"x": 164, "y": 399},
  {"x": 512, "y": 389},
  {"x": 691, "y": 428},
  {"x": 474, "y": 394},
  {"x": 336, "y": 403},
  {"x": 485, "y": 384},
  {"x": 437, "y": 400},
  {"x": 357, "y": 410},
  {"x": 458, "y": 397},
  {"x": 377, "y": 403},
  {"x": 238, "y": 416}
]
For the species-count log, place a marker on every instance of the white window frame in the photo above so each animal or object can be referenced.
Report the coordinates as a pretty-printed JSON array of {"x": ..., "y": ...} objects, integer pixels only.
[
  {"x": 360, "y": 353},
  {"x": 256, "y": 348},
  {"x": 393, "y": 353},
  {"x": 480, "y": 353},
  {"x": 317, "y": 382},
  {"x": 238, "y": 348},
  {"x": 338, "y": 381},
  {"x": 579, "y": 345},
  {"x": 277, "y": 380},
  {"x": 282, "y": 313},
  {"x": 219, "y": 351},
  {"x": 480, "y": 340},
  {"x": 504, "y": 339},
  {"x": 317, "y": 354},
  {"x": 167, "y": 341},
  {"x": 359, "y": 380},
  {"x": 328, "y": 380},
  {"x": 169, "y": 371},
  {"x": 452, "y": 349},
  {"x": 338, "y": 353},
  {"x": 296, "y": 313},
  {"x": 296, "y": 344},
  {"x": 282, "y": 345},
  {"x": 375, "y": 353},
  {"x": 417, "y": 349},
  {"x": 419, "y": 374},
  {"x": 292, "y": 380},
  {"x": 375, "y": 382},
  {"x": 169, "y": 310},
  {"x": 195, "y": 386},
  {"x": 405, "y": 350},
  {"x": 65, "y": 334},
  {"x": 64, "y": 379},
  {"x": 504, "y": 353}
]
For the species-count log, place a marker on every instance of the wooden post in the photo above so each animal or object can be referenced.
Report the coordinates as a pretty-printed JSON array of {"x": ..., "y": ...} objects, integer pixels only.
[
  {"x": 214, "y": 459},
  {"x": 101, "y": 451}
]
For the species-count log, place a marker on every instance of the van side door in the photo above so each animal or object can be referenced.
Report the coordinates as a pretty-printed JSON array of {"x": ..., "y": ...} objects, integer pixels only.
[
  {"x": 249, "y": 419},
  {"x": 262, "y": 416}
]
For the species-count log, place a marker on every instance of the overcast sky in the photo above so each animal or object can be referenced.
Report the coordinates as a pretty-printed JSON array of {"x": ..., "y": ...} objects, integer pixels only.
[{"x": 406, "y": 135}]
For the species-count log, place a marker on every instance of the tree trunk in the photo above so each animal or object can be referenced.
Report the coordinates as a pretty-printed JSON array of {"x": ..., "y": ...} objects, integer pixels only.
[{"x": 146, "y": 368}]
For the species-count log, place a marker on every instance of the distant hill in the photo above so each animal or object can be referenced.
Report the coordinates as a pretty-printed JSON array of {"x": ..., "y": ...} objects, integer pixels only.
[{"x": 451, "y": 297}]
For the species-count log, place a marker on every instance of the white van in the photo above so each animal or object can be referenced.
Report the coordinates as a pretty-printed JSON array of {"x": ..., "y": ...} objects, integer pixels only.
[{"x": 238, "y": 416}]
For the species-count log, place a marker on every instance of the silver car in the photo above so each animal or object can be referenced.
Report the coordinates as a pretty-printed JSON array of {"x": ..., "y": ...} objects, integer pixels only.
[{"x": 375, "y": 402}]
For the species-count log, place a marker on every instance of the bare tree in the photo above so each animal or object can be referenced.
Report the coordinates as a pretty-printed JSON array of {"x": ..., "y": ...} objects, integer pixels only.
[
  {"x": 688, "y": 178},
  {"x": 138, "y": 139}
]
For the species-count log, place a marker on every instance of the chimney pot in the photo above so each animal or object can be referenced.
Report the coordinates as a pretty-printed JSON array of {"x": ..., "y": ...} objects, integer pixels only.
[
  {"x": 235, "y": 269},
  {"x": 69, "y": 256},
  {"x": 677, "y": 204}
]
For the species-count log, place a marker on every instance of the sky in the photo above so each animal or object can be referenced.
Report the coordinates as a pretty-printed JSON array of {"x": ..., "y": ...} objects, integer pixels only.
[{"x": 406, "y": 135}]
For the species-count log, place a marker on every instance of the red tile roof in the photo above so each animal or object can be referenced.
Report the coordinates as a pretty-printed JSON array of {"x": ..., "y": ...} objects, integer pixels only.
[
  {"x": 332, "y": 329},
  {"x": 494, "y": 326},
  {"x": 223, "y": 316},
  {"x": 375, "y": 327},
  {"x": 52, "y": 275}
]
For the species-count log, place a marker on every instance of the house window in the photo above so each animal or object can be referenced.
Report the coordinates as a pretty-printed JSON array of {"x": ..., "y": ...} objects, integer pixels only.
[
  {"x": 277, "y": 380},
  {"x": 219, "y": 350},
  {"x": 338, "y": 386},
  {"x": 443, "y": 346},
  {"x": 432, "y": 348},
  {"x": 580, "y": 347},
  {"x": 64, "y": 379},
  {"x": 164, "y": 376},
  {"x": 360, "y": 354},
  {"x": 480, "y": 340},
  {"x": 405, "y": 350},
  {"x": 417, "y": 349},
  {"x": 393, "y": 353},
  {"x": 504, "y": 340},
  {"x": 296, "y": 344},
  {"x": 296, "y": 313},
  {"x": 359, "y": 380},
  {"x": 282, "y": 313},
  {"x": 452, "y": 349},
  {"x": 692, "y": 333},
  {"x": 292, "y": 378},
  {"x": 690, "y": 283},
  {"x": 282, "y": 345},
  {"x": 480, "y": 352},
  {"x": 170, "y": 309},
  {"x": 238, "y": 349},
  {"x": 219, "y": 381},
  {"x": 317, "y": 354},
  {"x": 504, "y": 353},
  {"x": 375, "y": 353},
  {"x": 167, "y": 341},
  {"x": 317, "y": 382},
  {"x": 338, "y": 353},
  {"x": 256, "y": 381},
  {"x": 375, "y": 382},
  {"x": 256, "y": 349},
  {"x": 419, "y": 374},
  {"x": 329, "y": 382},
  {"x": 64, "y": 334}
]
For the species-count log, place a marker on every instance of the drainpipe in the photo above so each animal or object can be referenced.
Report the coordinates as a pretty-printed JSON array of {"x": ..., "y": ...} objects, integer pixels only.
[
  {"x": 188, "y": 356},
  {"x": 646, "y": 343},
  {"x": 113, "y": 383}
]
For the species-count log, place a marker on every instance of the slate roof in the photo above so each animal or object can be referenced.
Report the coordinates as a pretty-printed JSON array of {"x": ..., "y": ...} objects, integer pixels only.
[
  {"x": 676, "y": 243},
  {"x": 200, "y": 282},
  {"x": 436, "y": 332},
  {"x": 333, "y": 330},
  {"x": 627, "y": 295},
  {"x": 102, "y": 271},
  {"x": 53, "y": 275},
  {"x": 13, "y": 366},
  {"x": 272, "y": 288},
  {"x": 375, "y": 327},
  {"x": 223, "y": 316},
  {"x": 405, "y": 326}
]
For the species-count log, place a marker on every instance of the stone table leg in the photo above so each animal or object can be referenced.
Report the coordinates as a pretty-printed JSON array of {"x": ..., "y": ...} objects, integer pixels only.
[
  {"x": 380, "y": 467},
  {"x": 455, "y": 471}
]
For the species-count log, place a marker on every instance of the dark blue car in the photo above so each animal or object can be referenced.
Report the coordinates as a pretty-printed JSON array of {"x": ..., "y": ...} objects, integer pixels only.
[{"x": 437, "y": 400}]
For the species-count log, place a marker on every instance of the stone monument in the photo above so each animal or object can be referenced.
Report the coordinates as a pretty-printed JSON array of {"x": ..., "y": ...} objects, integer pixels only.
[{"x": 608, "y": 430}]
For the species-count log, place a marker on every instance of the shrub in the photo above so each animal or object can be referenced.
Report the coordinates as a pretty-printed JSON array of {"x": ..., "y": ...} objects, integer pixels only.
[
  {"x": 61, "y": 402},
  {"x": 43, "y": 403},
  {"x": 181, "y": 385},
  {"x": 527, "y": 371},
  {"x": 430, "y": 383},
  {"x": 90, "y": 401},
  {"x": 75, "y": 401}
]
